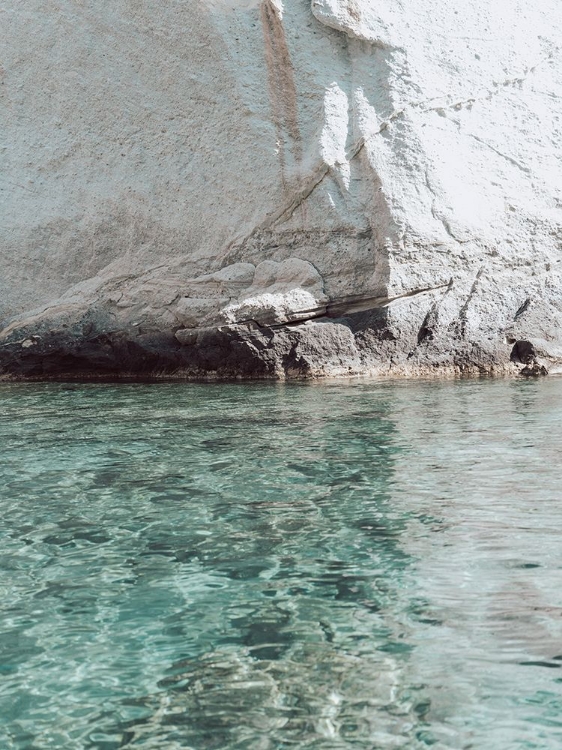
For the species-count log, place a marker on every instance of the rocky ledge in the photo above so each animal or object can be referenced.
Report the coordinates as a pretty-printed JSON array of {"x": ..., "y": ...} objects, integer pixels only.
[{"x": 399, "y": 337}]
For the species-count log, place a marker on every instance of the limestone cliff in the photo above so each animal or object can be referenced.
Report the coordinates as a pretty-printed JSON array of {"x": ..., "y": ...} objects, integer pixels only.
[{"x": 270, "y": 188}]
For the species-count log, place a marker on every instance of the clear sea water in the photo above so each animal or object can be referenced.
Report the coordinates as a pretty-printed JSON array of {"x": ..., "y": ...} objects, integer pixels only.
[{"x": 268, "y": 566}]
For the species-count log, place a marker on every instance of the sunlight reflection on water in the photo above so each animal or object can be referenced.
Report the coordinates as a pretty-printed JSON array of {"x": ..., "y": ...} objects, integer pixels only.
[{"x": 271, "y": 566}]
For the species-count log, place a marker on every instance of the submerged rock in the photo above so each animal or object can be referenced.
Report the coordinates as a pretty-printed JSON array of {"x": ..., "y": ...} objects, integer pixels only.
[{"x": 187, "y": 184}]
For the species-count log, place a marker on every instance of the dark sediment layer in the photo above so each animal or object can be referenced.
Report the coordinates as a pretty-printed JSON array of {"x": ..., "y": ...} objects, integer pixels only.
[{"x": 362, "y": 344}]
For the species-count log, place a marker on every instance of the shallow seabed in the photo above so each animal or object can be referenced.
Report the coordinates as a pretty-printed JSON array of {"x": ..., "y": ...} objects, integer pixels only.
[{"x": 267, "y": 566}]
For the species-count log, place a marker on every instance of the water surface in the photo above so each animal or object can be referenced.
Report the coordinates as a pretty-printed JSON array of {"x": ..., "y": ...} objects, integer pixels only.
[{"x": 268, "y": 566}]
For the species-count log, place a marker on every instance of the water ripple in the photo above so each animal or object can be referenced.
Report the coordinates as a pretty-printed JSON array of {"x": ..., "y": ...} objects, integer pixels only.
[{"x": 344, "y": 565}]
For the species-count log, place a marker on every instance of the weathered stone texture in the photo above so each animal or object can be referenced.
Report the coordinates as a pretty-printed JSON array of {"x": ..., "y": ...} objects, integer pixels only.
[{"x": 173, "y": 171}]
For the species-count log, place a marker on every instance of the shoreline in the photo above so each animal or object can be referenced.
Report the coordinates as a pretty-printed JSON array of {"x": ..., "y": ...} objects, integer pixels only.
[{"x": 378, "y": 374}]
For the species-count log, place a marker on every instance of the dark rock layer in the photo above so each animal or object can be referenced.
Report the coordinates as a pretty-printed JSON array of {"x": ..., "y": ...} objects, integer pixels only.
[{"x": 363, "y": 344}]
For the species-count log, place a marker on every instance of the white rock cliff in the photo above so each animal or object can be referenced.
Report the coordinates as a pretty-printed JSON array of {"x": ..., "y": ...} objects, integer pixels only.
[{"x": 280, "y": 189}]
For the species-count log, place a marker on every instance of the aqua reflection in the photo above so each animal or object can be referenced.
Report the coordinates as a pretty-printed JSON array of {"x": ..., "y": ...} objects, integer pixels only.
[{"x": 272, "y": 566}]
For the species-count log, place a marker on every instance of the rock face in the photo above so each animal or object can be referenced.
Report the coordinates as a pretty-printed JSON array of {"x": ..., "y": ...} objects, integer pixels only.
[{"x": 192, "y": 188}]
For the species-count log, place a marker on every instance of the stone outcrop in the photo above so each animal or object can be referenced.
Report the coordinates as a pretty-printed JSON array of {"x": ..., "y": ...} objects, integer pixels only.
[{"x": 268, "y": 188}]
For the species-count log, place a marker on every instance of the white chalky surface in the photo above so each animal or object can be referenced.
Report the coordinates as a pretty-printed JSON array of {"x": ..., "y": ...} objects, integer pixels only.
[{"x": 388, "y": 146}]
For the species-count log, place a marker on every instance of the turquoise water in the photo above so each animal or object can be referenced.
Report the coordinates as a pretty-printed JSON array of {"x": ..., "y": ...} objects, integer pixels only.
[{"x": 360, "y": 565}]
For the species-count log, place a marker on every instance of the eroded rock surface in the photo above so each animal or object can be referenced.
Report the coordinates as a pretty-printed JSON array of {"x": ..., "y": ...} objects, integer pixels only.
[{"x": 186, "y": 184}]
